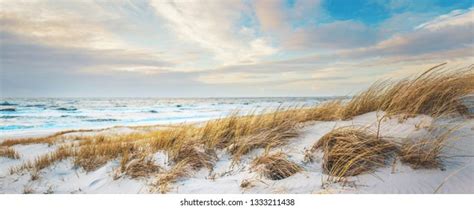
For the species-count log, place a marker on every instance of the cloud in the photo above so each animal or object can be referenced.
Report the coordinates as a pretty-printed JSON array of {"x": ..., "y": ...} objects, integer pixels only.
[
  {"x": 213, "y": 25},
  {"x": 24, "y": 55},
  {"x": 296, "y": 28},
  {"x": 335, "y": 35},
  {"x": 444, "y": 33},
  {"x": 217, "y": 48},
  {"x": 454, "y": 18},
  {"x": 50, "y": 23},
  {"x": 353, "y": 69}
]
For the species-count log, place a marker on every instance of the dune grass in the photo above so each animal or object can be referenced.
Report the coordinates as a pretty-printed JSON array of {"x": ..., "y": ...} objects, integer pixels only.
[
  {"x": 347, "y": 151},
  {"x": 9, "y": 153},
  {"x": 275, "y": 166},
  {"x": 326, "y": 111},
  {"x": 139, "y": 166},
  {"x": 91, "y": 156},
  {"x": 26, "y": 141},
  {"x": 43, "y": 161},
  {"x": 193, "y": 144},
  {"x": 426, "y": 152},
  {"x": 438, "y": 91},
  {"x": 164, "y": 180},
  {"x": 42, "y": 140},
  {"x": 350, "y": 151}
]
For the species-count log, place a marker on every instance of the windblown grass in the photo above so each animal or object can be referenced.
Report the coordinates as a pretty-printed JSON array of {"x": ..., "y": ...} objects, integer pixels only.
[
  {"x": 275, "y": 166},
  {"x": 9, "y": 153},
  {"x": 437, "y": 91},
  {"x": 241, "y": 134},
  {"x": 347, "y": 151},
  {"x": 326, "y": 111},
  {"x": 194, "y": 145},
  {"x": 425, "y": 152},
  {"x": 92, "y": 156},
  {"x": 350, "y": 151}
]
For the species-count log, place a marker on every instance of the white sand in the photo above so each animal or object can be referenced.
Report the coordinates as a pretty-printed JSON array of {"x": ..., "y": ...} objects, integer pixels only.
[{"x": 457, "y": 176}]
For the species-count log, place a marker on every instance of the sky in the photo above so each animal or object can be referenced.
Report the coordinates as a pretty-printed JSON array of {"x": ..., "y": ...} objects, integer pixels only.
[{"x": 212, "y": 48}]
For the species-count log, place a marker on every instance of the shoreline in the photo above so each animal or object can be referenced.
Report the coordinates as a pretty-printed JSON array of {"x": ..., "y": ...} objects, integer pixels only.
[{"x": 409, "y": 136}]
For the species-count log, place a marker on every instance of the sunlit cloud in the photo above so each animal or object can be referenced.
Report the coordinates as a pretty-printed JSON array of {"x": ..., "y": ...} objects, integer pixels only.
[
  {"x": 224, "y": 48},
  {"x": 212, "y": 26}
]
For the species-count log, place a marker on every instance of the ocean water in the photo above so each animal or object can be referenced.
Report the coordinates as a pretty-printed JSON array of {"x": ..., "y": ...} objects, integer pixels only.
[{"x": 22, "y": 116}]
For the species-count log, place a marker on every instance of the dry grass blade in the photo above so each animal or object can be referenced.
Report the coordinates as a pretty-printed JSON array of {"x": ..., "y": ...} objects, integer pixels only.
[
  {"x": 275, "y": 166},
  {"x": 448, "y": 177},
  {"x": 351, "y": 151}
]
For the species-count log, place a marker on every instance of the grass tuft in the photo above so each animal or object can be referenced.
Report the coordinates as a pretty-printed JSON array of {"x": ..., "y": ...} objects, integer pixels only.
[
  {"x": 350, "y": 151},
  {"x": 275, "y": 166},
  {"x": 192, "y": 153},
  {"x": 141, "y": 167}
]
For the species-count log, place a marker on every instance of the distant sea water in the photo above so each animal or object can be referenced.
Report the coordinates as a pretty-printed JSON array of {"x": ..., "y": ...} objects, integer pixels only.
[{"x": 28, "y": 116}]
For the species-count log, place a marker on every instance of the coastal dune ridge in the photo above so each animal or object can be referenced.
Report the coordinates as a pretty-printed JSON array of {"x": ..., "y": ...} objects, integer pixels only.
[{"x": 411, "y": 135}]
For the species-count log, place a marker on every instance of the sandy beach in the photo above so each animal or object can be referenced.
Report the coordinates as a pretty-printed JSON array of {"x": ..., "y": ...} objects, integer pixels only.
[
  {"x": 457, "y": 175},
  {"x": 288, "y": 150}
]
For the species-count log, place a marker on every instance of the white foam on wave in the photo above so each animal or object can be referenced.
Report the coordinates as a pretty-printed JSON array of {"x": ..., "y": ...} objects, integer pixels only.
[{"x": 48, "y": 115}]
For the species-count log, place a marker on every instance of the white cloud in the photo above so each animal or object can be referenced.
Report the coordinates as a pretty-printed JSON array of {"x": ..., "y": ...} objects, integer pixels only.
[
  {"x": 214, "y": 44},
  {"x": 454, "y": 18},
  {"x": 54, "y": 23},
  {"x": 214, "y": 26}
]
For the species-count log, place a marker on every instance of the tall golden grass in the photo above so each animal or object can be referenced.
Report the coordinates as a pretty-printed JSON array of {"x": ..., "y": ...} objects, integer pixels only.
[
  {"x": 437, "y": 91},
  {"x": 347, "y": 151},
  {"x": 350, "y": 151}
]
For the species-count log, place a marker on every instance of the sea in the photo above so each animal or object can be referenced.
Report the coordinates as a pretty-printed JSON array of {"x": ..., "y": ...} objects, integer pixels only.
[{"x": 29, "y": 116}]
